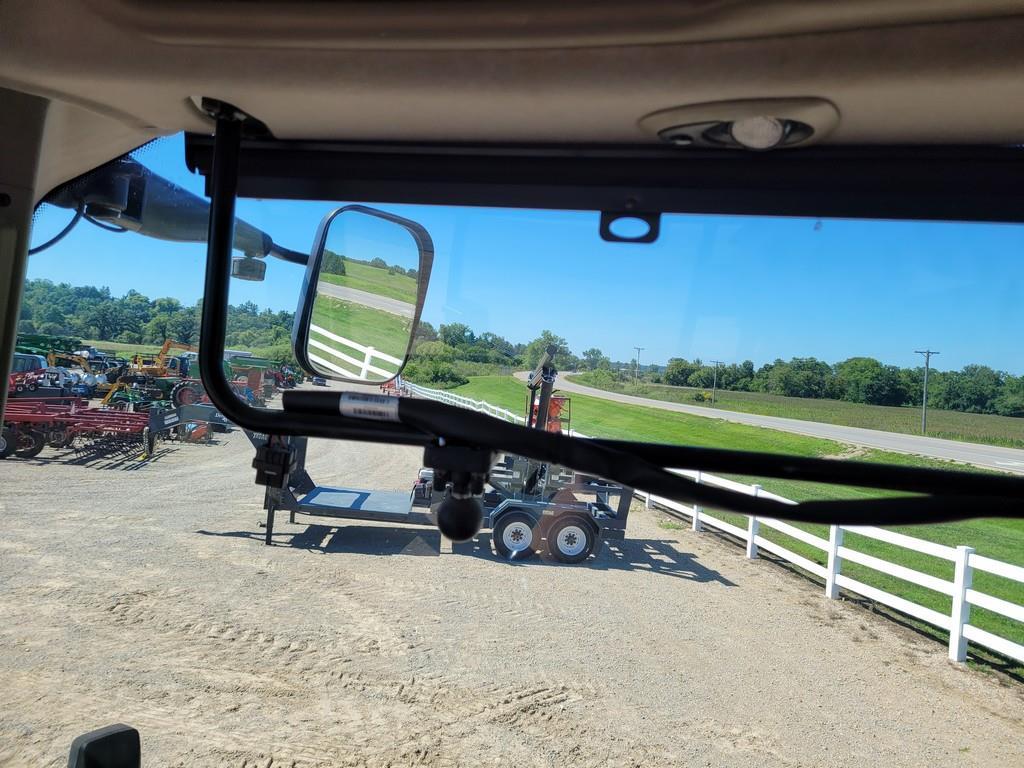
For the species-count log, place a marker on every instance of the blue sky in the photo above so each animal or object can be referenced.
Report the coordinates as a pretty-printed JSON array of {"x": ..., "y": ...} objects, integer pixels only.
[{"x": 716, "y": 287}]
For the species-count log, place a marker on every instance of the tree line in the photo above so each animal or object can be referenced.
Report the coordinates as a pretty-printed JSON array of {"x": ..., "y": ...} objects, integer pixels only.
[
  {"x": 334, "y": 264},
  {"x": 973, "y": 389},
  {"x": 446, "y": 356},
  {"x": 449, "y": 355},
  {"x": 88, "y": 312}
]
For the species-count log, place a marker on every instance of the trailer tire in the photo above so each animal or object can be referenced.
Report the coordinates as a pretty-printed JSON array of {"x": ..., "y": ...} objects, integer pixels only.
[
  {"x": 29, "y": 444},
  {"x": 516, "y": 536},
  {"x": 571, "y": 539}
]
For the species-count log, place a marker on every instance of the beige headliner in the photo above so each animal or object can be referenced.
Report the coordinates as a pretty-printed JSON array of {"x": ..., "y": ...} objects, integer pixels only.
[{"x": 120, "y": 72}]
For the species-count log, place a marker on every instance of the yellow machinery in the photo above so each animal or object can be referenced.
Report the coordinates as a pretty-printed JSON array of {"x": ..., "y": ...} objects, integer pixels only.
[{"x": 161, "y": 365}]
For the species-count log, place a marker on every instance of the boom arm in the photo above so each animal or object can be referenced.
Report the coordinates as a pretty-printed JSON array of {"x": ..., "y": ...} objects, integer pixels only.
[{"x": 170, "y": 344}]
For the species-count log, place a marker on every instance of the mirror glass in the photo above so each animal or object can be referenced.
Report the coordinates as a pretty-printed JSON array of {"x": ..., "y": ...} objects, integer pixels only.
[{"x": 364, "y": 296}]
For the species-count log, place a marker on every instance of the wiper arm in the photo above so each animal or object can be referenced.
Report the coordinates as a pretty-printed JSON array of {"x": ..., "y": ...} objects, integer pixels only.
[
  {"x": 946, "y": 495},
  {"x": 127, "y": 195}
]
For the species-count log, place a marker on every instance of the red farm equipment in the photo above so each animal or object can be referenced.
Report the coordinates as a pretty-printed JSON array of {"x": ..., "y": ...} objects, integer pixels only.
[{"x": 31, "y": 424}]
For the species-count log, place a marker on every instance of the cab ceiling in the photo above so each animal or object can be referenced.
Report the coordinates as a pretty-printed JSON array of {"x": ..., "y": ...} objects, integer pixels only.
[{"x": 119, "y": 72}]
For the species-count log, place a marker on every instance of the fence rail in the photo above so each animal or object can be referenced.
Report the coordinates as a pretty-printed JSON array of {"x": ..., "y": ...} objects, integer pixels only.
[
  {"x": 964, "y": 559},
  {"x": 451, "y": 398},
  {"x": 363, "y": 367}
]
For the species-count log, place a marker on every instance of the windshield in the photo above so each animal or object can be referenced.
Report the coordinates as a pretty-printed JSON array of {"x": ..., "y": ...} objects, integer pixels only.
[{"x": 587, "y": 623}]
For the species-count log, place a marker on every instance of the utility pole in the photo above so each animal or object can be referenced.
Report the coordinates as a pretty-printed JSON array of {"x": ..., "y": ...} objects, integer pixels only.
[
  {"x": 636, "y": 373},
  {"x": 924, "y": 395},
  {"x": 714, "y": 385}
]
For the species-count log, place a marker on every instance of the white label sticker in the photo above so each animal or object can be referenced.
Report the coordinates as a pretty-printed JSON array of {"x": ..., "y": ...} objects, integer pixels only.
[{"x": 357, "y": 405}]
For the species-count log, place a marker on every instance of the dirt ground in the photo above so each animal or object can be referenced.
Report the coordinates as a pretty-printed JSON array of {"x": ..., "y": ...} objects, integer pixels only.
[{"x": 142, "y": 593}]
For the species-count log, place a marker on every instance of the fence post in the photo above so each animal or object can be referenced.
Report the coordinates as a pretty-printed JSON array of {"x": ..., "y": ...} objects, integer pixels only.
[
  {"x": 835, "y": 562},
  {"x": 696, "y": 524},
  {"x": 753, "y": 528},
  {"x": 365, "y": 371},
  {"x": 963, "y": 576}
]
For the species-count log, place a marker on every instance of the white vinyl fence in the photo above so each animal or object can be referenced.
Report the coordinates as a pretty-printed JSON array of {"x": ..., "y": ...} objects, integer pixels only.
[
  {"x": 964, "y": 559},
  {"x": 343, "y": 363},
  {"x": 451, "y": 398}
]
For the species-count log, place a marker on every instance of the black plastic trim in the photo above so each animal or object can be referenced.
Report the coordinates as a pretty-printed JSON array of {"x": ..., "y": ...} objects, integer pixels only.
[{"x": 911, "y": 182}]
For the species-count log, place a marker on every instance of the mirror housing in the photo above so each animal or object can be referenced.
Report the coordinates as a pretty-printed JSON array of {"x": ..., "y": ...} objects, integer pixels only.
[
  {"x": 248, "y": 268},
  {"x": 330, "y": 311}
]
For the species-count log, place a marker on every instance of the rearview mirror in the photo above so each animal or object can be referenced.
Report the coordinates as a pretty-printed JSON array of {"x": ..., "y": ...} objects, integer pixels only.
[{"x": 362, "y": 295}]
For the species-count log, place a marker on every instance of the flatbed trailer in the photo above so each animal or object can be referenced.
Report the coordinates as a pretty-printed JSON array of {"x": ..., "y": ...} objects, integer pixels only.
[{"x": 518, "y": 523}]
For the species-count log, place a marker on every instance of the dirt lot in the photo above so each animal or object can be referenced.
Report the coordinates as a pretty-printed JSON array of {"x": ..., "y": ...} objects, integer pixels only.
[{"x": 141, "y": 593}]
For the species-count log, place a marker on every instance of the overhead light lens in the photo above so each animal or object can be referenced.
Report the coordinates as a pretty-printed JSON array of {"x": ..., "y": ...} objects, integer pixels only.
[{"x": 758, "y": 132}]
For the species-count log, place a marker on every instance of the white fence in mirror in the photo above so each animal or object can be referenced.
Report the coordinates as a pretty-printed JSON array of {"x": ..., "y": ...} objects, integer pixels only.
[
  {"x": 359, "y": 366},
  {"x": 835, "y": 552}
]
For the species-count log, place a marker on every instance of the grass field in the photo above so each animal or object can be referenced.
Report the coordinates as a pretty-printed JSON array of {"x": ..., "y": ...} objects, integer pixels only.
[
  {"x": 1000, "y": 539},
  {"x": 952, "y": 425},
  {"x": 383, "y": 331},
  {"x": 363, "y": 277},
  {"x": 118, "y": 348}
]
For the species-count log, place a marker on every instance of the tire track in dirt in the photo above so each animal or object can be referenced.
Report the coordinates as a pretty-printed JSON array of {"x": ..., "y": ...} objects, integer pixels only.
[{"x": 368, "y": 705}]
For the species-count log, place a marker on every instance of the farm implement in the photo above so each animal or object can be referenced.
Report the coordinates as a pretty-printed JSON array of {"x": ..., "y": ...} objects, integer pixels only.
[
  {"x": 32, "y": 424},
  {"x": 69, "y": 423}
]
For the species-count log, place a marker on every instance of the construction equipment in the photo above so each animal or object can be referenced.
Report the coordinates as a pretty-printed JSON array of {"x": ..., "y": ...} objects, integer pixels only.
[
  {"x": 162, "y": 365},
  {"x": 89, "y": 379}
]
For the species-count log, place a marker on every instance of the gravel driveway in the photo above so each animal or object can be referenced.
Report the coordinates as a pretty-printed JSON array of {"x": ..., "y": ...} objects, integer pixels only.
[{"x": 141, "y": 593}]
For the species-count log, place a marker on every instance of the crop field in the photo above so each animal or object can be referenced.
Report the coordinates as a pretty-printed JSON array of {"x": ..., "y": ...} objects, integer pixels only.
[
  {"x": 1000, "y": 539},
  {"x": 951, "y": 425},
  {"x": 363, "y": 277}
]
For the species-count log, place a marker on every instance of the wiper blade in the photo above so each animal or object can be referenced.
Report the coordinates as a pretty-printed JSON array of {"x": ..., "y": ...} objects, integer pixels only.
[{"x": 944, "y": 495}]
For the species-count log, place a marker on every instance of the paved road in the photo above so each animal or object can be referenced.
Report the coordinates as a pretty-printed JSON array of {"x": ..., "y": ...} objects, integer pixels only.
[
  {"x": 988, "y": 456},
  {"x": 367, "y": 299}
]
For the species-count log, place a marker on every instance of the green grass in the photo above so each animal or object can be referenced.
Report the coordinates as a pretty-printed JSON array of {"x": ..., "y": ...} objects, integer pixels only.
[
  {"x": 383, "y": 331},
  {"x": 999, "y": 539},
  {"x": 375, "y": 280},
  {"x": 121, "y": 349},
  {"x": 602, "y": 418},
  {"x": 952, "y": 425}
]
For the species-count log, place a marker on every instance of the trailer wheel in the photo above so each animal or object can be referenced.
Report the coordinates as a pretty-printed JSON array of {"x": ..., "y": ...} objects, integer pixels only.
[
  {"x": 571, "y": 539},
  {"x": 515, "y": 536},
  {"x": 29, "y": 444}
]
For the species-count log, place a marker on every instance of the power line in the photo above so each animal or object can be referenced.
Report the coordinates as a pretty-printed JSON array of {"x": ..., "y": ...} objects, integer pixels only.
[
  {"x": 714, "y": 385},
  {"x": 924, "y": 394},
  {"x": 636, "y": 374}
]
